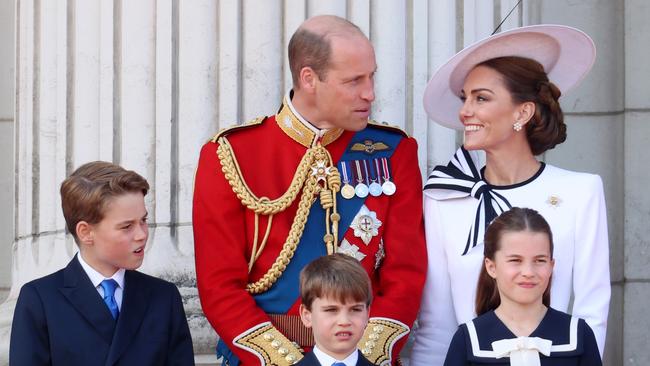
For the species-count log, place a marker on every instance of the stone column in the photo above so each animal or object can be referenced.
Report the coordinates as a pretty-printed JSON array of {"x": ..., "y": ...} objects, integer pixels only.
[
  {"x": 636, "y": 321},
  {"x": 7, "y": 93}
]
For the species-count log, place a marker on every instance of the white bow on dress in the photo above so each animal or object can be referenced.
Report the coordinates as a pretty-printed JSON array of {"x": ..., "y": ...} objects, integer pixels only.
[{"x": 523, "y": 351}]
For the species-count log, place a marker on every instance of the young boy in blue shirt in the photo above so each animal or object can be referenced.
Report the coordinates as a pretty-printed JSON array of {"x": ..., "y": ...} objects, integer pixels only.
[
  {"x": 98, "y": 310},
  {"x": 336, "y": 294}
]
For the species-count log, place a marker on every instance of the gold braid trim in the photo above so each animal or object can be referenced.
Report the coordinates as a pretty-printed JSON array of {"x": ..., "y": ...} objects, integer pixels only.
[
  {"x": 290, "y": 245},
  {"x": 271, "y": 346},
  {"x": 379, "y": 338},
  {"x": 260, "y": 205},
  {"x": 316, "y": 159}
]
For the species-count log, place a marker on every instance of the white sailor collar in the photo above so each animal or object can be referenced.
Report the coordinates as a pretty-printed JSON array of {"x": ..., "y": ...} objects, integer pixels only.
[{"x": 561, "y": 329}]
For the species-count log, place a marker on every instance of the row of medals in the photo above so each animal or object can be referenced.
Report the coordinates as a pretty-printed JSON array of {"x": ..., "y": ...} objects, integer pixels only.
[{"x": 362, "y": 190}]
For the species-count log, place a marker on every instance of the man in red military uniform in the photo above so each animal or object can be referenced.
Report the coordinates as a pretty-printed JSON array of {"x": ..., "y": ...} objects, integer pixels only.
[{"x": 314, "y": 179}]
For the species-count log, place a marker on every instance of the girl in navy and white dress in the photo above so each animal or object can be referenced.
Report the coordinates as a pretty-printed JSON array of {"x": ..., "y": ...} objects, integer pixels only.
[{"x": 515, "y": 325}]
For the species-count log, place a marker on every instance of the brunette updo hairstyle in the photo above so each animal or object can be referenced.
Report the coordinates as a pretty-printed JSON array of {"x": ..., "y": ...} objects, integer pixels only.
[
  {"x": 515, "y": 220},
  {"x": 527, "y": 82}
]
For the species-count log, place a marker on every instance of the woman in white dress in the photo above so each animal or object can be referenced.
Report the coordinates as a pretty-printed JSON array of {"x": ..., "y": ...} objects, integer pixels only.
[{"x": 503, "y": 92}]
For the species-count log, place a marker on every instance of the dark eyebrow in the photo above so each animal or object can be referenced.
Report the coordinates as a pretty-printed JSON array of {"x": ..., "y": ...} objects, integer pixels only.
[{"x": 478, "y": 90}]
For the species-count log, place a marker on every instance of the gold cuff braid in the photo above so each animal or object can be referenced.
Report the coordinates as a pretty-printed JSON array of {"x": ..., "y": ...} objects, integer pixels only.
[
  {"x": 379, "y": 338},
  {"x": 316, "y": 175},
  {"x": 272, "y": 346}
]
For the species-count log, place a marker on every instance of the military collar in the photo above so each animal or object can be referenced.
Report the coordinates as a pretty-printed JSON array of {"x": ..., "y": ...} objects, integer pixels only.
[{"x": 303, "y": 132}]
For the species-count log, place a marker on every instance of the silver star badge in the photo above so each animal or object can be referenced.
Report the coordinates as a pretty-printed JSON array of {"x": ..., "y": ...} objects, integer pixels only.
[
  {"x": 365, "y": 224},
  {"x": 352, "y": 250},
  {"x": 321, "y": 170}
]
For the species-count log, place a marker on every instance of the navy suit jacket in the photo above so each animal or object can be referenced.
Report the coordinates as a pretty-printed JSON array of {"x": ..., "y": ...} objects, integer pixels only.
[
  {"x": 311, "y": 360},
  {"x": 60, "y": 319}
]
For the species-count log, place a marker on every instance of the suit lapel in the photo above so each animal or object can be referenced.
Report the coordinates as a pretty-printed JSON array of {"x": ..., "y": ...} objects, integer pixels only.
[
  {"x": 311, "y": 360},
  {"x": 80, "y": 292},
  {"x": 134, "y": 307},
  {"x": 362, "y": 361}
]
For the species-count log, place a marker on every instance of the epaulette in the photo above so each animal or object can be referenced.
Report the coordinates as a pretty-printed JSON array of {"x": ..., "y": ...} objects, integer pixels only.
[
  {"x": 386, "y": 126},
  {"x": 228, "y": 130}
]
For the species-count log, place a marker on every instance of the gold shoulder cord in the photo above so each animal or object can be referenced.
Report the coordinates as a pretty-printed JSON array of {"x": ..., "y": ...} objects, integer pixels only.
[{"x": 316, "y": 175}]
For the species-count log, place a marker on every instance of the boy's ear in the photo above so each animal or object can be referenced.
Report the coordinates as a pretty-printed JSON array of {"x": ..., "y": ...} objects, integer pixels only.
[
  {"x": 305, "y": 316},
  {"x": 85, "y": 233}
]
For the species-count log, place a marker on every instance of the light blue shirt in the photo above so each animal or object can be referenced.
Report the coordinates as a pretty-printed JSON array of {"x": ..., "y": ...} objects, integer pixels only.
[{"x": 96, "y": 278}]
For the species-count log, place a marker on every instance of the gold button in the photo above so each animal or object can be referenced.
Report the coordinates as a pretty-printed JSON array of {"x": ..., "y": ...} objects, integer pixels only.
[
  {"x": 366, "y": 351},
  {"x": 374, "y": 336},
  {"x": 283, "y": 351},
  {"x": 370, "y": 344},
  {"x": 378, "y": 328},
  {"x": 291, "y": 358},
  {"x": 276, "y": 344},
  {"x": 268, "y": 337}
]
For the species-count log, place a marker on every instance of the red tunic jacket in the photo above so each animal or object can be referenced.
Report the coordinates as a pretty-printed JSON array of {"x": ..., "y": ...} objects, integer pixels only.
[{"x": 224, "y": 230}]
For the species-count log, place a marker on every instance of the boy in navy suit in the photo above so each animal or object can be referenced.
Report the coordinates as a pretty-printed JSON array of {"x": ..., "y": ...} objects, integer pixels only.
[
  {"x": 335, "y": 292},
  {"x": 98, "y": 310}
]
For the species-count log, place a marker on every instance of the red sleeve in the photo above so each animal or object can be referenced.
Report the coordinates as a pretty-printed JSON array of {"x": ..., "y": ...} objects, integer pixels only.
[
  {"x": 220, "y": 253},
  {"x": 402, "y": 273}
]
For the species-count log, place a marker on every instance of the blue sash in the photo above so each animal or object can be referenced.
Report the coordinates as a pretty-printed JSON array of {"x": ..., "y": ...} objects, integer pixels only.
[{"x": 283, "y": 294}]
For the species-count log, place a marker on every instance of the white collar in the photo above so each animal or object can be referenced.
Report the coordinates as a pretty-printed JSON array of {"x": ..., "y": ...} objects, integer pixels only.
[
  {"x": 327, "y": 360},
  {"x": 319, "y": 132},
  {"x": 96, "y": 278}
]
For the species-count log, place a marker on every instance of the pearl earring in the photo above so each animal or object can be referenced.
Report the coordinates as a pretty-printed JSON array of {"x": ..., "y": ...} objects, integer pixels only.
[{"x": 517, "y": 126}]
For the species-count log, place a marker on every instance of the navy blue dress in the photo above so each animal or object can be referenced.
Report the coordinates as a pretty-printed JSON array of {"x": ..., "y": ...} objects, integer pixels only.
[{"x": 573, "y": 341}]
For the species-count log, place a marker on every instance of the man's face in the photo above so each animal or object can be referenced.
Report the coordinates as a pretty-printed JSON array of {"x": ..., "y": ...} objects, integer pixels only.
[{"x": 345, "y": 94}]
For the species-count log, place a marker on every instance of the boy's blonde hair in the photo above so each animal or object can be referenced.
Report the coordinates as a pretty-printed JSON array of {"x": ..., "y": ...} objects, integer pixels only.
[
  {"x": 89, "y": 189},
  {"x": 337, "y": 276}
]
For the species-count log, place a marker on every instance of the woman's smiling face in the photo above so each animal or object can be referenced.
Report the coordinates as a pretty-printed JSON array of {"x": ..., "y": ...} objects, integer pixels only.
[{"x": 488, "y": 112}]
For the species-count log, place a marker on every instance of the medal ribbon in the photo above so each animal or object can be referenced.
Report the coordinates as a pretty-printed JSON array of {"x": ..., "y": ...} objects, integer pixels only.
[
  {"x": 365, "y": 167},
  {"x": 344, "y": 170},
  {"x": 384, "y": 164},
  {"x": 376, "y": 164},
  {"x": 359, "y": 175}
]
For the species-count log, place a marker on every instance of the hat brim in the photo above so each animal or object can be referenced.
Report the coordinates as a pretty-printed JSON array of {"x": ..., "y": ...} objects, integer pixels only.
[{"x": 566, "y": 53}]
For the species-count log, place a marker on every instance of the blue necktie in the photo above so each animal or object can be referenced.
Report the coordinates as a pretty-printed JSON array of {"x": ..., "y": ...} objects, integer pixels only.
[
  {"x": 338, "y": 364},
  {"x": 109, "y": 296}
]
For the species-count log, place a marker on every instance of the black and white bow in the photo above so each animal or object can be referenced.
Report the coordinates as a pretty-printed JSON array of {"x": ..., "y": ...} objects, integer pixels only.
[{"x": 462, "y": 178}]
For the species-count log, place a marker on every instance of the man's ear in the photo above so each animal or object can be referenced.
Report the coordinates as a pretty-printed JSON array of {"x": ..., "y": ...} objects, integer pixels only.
[
  {"x": 307, "y": 79},
  {"x": 305, "y": 316},
  {"x": 85, "y": 233}
]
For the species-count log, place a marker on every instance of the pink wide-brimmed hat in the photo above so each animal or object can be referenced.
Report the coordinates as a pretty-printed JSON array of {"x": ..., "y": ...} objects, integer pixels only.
[{"x": 566, "y": 53}]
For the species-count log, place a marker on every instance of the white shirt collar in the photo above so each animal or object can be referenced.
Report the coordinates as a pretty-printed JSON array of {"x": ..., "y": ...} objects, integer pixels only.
[
  {"x": 327, "y": 360},
  {"x": 319, "y": 132},
  {"x": 96, "y": 278}
]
